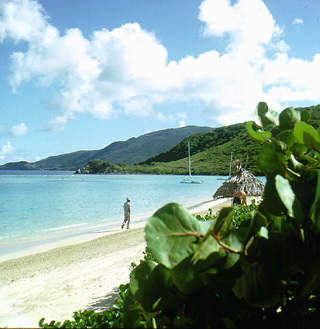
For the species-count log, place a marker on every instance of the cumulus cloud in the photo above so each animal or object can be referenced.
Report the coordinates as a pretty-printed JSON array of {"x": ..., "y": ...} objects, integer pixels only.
[
  {"x": 248, "y": 24},
  {"x": 19, "y": 131},
  {"x": 126, "y": 71}
]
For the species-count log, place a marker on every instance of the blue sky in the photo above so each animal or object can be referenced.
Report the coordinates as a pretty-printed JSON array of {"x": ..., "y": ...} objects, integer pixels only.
[{"x": 79, "y": 75}]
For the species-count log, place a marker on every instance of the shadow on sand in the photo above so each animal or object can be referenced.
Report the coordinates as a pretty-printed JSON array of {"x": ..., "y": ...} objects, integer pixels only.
[{"x": 100, "y": 304}]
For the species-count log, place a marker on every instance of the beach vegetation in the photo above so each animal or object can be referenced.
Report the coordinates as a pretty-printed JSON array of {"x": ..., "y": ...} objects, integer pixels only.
[
  {"x": 263, "y": 271},
  {"x": 259, "y": 268}
]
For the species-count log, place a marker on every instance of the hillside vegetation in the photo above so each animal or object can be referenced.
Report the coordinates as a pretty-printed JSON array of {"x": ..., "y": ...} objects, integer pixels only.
[{"x": 210, "y": 152}]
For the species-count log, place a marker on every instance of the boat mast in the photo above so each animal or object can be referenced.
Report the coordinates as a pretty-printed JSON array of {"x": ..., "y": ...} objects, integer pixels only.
[
  {"x": 189, "y": 161},
  {"x": 230, "y": 168}
]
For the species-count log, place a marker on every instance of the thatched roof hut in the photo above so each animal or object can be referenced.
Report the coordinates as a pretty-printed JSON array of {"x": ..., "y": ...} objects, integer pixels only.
[{"x": 243, "y": 180}]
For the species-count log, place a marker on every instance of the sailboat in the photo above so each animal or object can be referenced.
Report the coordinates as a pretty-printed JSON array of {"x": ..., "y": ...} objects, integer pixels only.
[{"x": 190, "y": 179}]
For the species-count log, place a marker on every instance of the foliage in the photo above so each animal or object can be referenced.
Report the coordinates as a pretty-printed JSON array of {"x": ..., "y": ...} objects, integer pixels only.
[
  {"x": 260, "y": 272},
  {"x": 111, "y": 318},
  {"x": 211, "y": 151},
  {"x": 259, "y": 268},
  {"x": 243, "y": 213}
]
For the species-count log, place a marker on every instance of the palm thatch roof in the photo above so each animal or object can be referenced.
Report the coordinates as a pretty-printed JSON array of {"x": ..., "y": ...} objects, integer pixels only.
[{"x": 243, "y": 180}]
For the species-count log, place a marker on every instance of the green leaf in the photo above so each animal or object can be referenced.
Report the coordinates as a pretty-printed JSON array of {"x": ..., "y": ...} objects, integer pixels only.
[
  {"x": 173, "y": 234},
  {"x": 223, "y": 223},
  {"x": 262, "y": 109},
  {"x": 272, "y": 205},
  {"x": 288, "y": 118},
  {"x": 287, "y": 137},
  {"x": 255, "y": 286},
  {"x": 306, "y": 134},
  {"x": 258, "y": 135},
  {"x": 221, "y": 227},
  {"x": 286, "y": 194},
  {"x": 272, "y": 160},
  {"x": 294, "y": 164},
  {"x": 305, "y": 116},
  {"x": 138, "y": 278},
  {"x": 185, "y": 276},
  {"x": 268, "y": 118},
  {"x": 157, "y": 294}
]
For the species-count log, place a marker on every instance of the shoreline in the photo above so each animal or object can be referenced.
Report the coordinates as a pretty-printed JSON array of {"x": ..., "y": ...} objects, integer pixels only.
[
  {"x": 34, "y": 243},
  {"x": 54, "y": 280}
]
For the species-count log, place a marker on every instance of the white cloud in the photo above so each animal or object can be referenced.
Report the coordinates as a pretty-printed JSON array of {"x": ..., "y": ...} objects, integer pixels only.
[
  {"x": 21, "y": 20},
  {"x": 248, "y": 24},
  {"x": 6, "y": 149},
  {"x": 19, "y": 130},
  {"x": 126, "y": 71},
  {"x": 297, "y": 21},
  {"x": 58, "y": 123}
]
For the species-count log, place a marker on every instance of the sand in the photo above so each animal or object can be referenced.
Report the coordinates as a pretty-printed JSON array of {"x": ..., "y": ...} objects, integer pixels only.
[{"x": 53, "y": 281}]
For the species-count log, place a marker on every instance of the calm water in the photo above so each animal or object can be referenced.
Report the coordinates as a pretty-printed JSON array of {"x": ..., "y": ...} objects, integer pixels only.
[{"x": 33, "y": 201}]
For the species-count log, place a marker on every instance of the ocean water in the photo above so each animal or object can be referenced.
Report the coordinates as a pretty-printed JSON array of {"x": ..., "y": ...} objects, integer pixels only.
[{"x": 49, "y": 203}]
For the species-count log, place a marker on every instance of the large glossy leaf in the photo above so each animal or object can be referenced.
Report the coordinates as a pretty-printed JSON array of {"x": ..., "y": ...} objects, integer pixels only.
[
  {"x": 258, "y": 135},
  {"x": 173, "y": 234},
  {"x": 221, "y": 228},
  {"x": 157, "y": 291},
  {"x": 262, "y": 109},
  {"x": 272, "y": 205},
  {"x": 257, "y": 221},
  {"x": 305, "y": 116},
  {"x": 287, "y": 137},
  {"x": 288, "y": 197},
  {"x": 268, "y": 118},
  {"x": 288, "y": 118},
  {"x": 272, "y": 160},
  {"x": 306, "y": 134},
  {"x": 138, "y": 278},
  {"x": 186, "y": 276},
  {"x": 223, "y": 223}
]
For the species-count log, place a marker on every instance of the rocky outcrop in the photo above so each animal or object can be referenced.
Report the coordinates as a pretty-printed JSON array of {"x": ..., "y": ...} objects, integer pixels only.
[{"x": 100, "y": 167}]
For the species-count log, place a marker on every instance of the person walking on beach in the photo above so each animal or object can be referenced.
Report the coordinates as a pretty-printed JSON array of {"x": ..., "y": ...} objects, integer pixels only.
[
  {"x": 240, "y": 197},
  {"x": 126, "y": 208}
]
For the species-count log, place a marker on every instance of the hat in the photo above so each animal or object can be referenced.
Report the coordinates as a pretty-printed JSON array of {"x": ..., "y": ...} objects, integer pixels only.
[{"x": 128, "y": 199}]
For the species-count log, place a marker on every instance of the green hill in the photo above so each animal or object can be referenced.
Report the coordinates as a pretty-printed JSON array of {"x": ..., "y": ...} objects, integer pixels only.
[
  {"x": 211, "y": 151},
  {"x": 133, "y": 150}
]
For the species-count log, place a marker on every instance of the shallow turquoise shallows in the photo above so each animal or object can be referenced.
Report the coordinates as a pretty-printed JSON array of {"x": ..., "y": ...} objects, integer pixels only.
[{"x": 39, "y": 202}]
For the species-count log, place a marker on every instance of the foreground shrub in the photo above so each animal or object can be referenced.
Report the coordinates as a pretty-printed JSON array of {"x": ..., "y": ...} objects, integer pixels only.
[
  {"x": 259, "y": 273},
  {"x": 261, "y": 270}
]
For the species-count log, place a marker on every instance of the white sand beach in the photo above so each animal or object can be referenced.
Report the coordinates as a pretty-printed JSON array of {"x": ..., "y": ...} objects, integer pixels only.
[{"x": 54, "y": 280}]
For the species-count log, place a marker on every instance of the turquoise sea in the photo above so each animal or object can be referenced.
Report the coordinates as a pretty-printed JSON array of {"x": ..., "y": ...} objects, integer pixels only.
[{"x": 54, "y": 204}]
